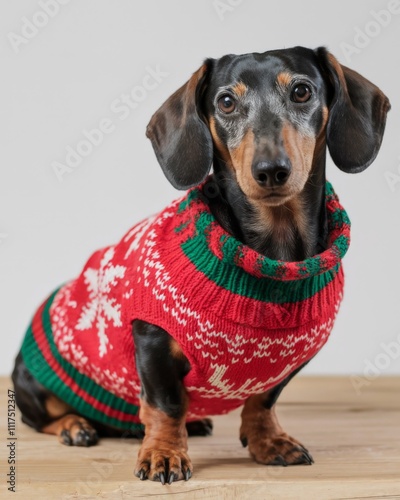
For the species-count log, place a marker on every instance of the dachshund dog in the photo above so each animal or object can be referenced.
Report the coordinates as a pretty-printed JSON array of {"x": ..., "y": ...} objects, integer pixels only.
[{"x": 264, "y": 123}]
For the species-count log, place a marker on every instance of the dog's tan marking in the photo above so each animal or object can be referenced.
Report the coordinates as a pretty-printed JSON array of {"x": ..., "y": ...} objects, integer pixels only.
[
  {"x": 242, "y": 156},
  {"x": 242, "y": 159},
  {"x": 195, "y": 79},
  {"x": 189, "y": 91},
  {"x": 325, "y": 116},
  {"x": 220, "y": 146},
  {"x": 283, "y": 223},
  {"x": 300, "y": 150},
  {"x": 339, "y": 70},
  {"x": 320, "y": 143},
  {"x": 175, "y": 349},
  {"x": 55, "y": 407},
  {"x": 284, "y": 218},
  {"x": 240, "y": 89},
  {"x": 268, "y": 443},
  {"x": 164, "y": 447},
  {"x": 284, "y": 78},
  {"x": 68, "y": 422}
]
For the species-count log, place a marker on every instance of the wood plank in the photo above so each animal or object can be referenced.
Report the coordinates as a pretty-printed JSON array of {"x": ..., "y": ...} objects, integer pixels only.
[{"x": 354, "y": 439}]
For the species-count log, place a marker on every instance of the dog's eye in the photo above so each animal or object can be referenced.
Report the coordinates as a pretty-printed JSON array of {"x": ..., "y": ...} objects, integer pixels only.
[
  {"x": 301, "y": 93},
  {"x": 226, "y": 104}
]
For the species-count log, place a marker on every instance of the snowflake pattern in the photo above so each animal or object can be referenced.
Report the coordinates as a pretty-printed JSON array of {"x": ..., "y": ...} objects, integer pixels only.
[
  {"x": 92, "y": 316},
  {"x": 101, "y": 309}
]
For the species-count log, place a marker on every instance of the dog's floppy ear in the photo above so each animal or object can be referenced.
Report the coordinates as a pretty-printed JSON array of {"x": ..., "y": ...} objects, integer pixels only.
[
  {"x": 180, "y": 138},
  {"x": 357, "y": 115}
]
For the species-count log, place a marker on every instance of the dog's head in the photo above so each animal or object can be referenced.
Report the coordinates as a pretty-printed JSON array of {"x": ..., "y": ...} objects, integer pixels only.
[{"x": 268, "y": 117}]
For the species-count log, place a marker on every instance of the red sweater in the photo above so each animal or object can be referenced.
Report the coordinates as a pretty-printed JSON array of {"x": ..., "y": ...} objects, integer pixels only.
[{"x": 244, "y": 321}]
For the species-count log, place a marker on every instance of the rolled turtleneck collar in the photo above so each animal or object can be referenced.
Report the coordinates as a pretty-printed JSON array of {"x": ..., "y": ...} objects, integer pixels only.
[{"x": 232, "y": 252}]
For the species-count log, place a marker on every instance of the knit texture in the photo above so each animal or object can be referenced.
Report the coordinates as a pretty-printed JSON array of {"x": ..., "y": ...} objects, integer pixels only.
[{"x": 244, "y": 321}]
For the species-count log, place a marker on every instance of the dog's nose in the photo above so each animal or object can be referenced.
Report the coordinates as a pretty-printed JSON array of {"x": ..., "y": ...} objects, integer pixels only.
[{"x": 271, "y": 174}]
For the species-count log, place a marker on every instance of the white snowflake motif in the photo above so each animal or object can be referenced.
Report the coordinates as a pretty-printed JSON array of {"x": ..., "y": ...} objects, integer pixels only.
[{"x": 101, "y": 309}]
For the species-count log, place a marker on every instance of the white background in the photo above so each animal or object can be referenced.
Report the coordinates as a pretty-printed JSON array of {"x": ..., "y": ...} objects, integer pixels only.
[{"x": 65, "y": 79}]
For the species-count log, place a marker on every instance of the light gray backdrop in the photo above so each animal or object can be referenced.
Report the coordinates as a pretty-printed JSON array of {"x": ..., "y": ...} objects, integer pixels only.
[{"x": 65, "y": 67}]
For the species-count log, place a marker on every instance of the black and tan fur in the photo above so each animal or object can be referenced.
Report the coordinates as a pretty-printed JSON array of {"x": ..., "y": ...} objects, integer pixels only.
[{"x": 264, "y": 122}]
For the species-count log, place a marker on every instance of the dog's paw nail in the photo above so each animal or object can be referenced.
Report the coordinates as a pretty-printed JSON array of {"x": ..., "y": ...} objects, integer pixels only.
[
  {"x": 308, "y": 458},
  {"x": 172, "y": 477},
  {"x": 161, "y": 477},
  {"x": 209, "y": 424},
  {"x": 65, "y": 438},
  {"x": 208, "y": 430},
  {"x": 142, "y": 475},
  {"x": 305, "y": 456},
  {"x": 82, "y": 439},
  {"x": 243, "y": 440},
  {"x": 86, "y": 437},
  {"x": 279, "y": 460},
  {"x": 188, "y": 474}
]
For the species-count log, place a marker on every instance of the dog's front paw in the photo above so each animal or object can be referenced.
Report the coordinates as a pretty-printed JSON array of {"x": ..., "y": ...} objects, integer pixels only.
[
  {"x": 73, "y": 430},
  {"x": 163, "y": 463},
  {"x": 280, "y": 449}
]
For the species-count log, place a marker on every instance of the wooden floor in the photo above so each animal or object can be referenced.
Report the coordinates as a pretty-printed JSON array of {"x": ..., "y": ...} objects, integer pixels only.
[{"x": 354, "y": 439}]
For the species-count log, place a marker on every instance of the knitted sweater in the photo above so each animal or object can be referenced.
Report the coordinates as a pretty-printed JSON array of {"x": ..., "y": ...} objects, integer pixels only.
[{"x": 245, "y": 322}]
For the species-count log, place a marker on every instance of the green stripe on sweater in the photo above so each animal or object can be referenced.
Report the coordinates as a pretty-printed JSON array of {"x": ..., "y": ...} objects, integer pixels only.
[
  {"x": 236, "y": 280},
  {"x": 39, "y": 368}
]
